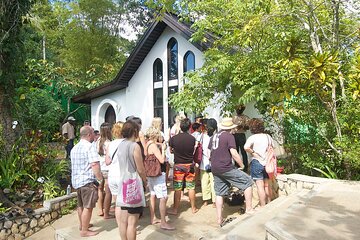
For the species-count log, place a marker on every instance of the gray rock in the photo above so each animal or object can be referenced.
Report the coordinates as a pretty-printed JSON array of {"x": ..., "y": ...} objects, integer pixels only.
[
  {"x": 29, "y": 192},
  {"x": 57, "y": 206},
  {"x": 19, "y": 237},
  {"x": 18, "y": 221},
  {"x": 308, "y": 185},
  {"x": 3, "y": 235},
  {"x": 11, "y": 237},
  {"x": 23, "y": 228},
  {"x": 14, "y": 228},
  {"x": 47, "y": 218},
  {"x": 29, "y": 233},
  {"x": 6, "y": 190},
  {"x": 292, "y": 187},
  {"x": 281, "y": 185},
  {"x": 26, "y": 220},
  {"x": 299, "y": 185},
  {"x": 8, "y": 224},
  {"x": 54, "y": 215},
  {"x": 33, "y": 223},
  {"x": 287, "y": 189},
  {"x": 1, "y": 225},
  {"x": 37, "y": 229},
  {"x": 41, "y": 222}
]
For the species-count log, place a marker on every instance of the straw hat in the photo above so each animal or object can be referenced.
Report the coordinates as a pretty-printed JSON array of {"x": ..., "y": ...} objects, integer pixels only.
[{"x": 227, "y": 123}]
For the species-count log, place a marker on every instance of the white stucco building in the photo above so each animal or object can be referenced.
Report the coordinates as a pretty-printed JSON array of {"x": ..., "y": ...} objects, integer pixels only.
[{"x": 153, "y": 71}]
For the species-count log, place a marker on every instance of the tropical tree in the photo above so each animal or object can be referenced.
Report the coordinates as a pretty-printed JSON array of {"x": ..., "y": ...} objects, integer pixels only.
[
  {"x": 11, "y": 58},
  {"x": 297, "y": 59}
]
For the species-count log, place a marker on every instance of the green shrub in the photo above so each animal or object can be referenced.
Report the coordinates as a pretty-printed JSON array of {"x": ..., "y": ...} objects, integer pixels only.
[
  {"x": 40, "y": 111},
  {"x": 10, "y": 170}
]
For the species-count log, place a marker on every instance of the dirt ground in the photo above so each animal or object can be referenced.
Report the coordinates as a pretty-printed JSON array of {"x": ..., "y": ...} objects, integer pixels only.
[{"x": 189, "y": 225}]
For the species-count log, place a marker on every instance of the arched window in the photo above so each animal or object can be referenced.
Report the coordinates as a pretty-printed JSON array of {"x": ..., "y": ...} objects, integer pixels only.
[
  {"x": 110, "y": 115},
  {"x": 158, "y": 70},
  {"x": 189, "y": 61},
  {"x": 158, "y": 88},
  {"x": 172, "y": 59}
]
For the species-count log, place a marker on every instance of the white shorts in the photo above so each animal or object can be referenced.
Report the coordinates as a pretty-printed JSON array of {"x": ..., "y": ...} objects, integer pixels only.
[
  {"x": 157, "y": 186},
  {"x": 114, "y": 183}
]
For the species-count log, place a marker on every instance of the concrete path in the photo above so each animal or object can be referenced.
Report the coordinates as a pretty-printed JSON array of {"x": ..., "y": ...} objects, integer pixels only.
[
  {"x": 331, "y": 212},
  {"x": 188, "y": 225}
]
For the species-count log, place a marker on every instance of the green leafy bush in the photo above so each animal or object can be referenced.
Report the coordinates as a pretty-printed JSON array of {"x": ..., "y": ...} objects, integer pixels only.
[
  {"x": 10, "y": 172},
  {"x": 40, "y": 112},
  {"x": 72, "y": 204},
  {"x": 52, "y": 189}
]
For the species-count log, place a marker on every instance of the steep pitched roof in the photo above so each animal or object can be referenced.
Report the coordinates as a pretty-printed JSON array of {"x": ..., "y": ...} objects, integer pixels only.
[{"x": 138, "y": 55}]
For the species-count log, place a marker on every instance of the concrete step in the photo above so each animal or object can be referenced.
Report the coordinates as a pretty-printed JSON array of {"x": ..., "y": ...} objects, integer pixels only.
[
  {"x": 252, "y": 227},
  {"x": 330, "y": 212}
]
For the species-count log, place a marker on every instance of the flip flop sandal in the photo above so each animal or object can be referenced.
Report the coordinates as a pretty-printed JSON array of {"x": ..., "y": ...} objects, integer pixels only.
[{"x": 226, "y": 221}]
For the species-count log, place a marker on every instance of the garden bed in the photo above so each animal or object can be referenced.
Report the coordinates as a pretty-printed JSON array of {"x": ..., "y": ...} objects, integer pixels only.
[{"x": 23, "y": 225}]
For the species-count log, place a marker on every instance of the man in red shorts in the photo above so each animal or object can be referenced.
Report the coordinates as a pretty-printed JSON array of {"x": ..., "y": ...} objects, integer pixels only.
[{"x": 183, "y": 145}]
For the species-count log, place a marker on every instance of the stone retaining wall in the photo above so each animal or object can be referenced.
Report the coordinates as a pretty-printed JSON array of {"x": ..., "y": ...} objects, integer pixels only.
[
  {"x": 292, "y": 183},
  {"x": 23, "y": 227}
]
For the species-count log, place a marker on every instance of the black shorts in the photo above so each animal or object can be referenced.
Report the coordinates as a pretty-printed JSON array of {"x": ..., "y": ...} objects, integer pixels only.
[{"x": 136, "y": 210}]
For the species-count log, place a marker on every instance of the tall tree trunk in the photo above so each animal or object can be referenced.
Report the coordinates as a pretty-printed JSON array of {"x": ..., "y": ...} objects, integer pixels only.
[{"x": 5, "y": 119}]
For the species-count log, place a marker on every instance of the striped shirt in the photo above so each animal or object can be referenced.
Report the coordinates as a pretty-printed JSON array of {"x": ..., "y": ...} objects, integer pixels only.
[{"x": 82, "y": 155}]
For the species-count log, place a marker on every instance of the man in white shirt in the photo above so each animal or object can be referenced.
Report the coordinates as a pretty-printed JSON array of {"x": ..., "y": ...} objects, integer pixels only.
[{"x": 85, "y": 177}]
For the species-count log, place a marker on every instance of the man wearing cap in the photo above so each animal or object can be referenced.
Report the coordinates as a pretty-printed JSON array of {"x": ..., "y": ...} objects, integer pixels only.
[
  {"x": 68, "y": 131},
  {"x": 222, "y": 148}
]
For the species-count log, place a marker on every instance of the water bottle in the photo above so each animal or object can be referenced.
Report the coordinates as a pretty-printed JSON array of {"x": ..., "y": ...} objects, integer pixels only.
[{"x": 68, "y": 190}]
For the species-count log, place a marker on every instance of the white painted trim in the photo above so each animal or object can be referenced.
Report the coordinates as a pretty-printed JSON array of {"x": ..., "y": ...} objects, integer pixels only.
[
  {"x": 158, "y": 84},
  {"x": 101, "y": 109}
]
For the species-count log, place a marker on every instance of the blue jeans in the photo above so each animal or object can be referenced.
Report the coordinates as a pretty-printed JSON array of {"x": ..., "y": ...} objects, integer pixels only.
[{"x": 257, "y": 171}]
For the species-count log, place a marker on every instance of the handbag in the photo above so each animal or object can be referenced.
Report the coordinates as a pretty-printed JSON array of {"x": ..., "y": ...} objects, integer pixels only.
[
  {"x": 271, "y": 160},
  {"x": 198, "y": 153},
  {"x": 131, "y": 190},
  {"x": 152, "y": 165}
]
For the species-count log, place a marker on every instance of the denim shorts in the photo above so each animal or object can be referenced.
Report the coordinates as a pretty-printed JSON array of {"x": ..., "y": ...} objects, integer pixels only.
[
  {"x": 234, "y": 177},
  {"x": 257, "y": 171}
]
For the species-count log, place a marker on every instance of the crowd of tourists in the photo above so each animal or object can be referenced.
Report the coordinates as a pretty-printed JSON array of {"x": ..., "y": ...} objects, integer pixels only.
[{"x": 122, "y": 164}]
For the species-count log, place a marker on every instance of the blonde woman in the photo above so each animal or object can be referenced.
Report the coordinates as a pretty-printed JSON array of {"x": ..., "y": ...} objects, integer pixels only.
[
  {"x": 157, "y": 124},
  {"x": 112, "y": 159},
  {"x": 157, "y": 185},
  {"x": 102, "y": 143}
]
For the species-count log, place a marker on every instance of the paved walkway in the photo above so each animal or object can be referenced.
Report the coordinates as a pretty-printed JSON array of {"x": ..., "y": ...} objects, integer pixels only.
[
  {"x": 188, "y": 225},
  {"x": 330, "y": 212}
]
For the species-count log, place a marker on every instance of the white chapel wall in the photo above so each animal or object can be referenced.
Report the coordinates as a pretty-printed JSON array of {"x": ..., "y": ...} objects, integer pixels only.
[{"x": 137, "y": 98}]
